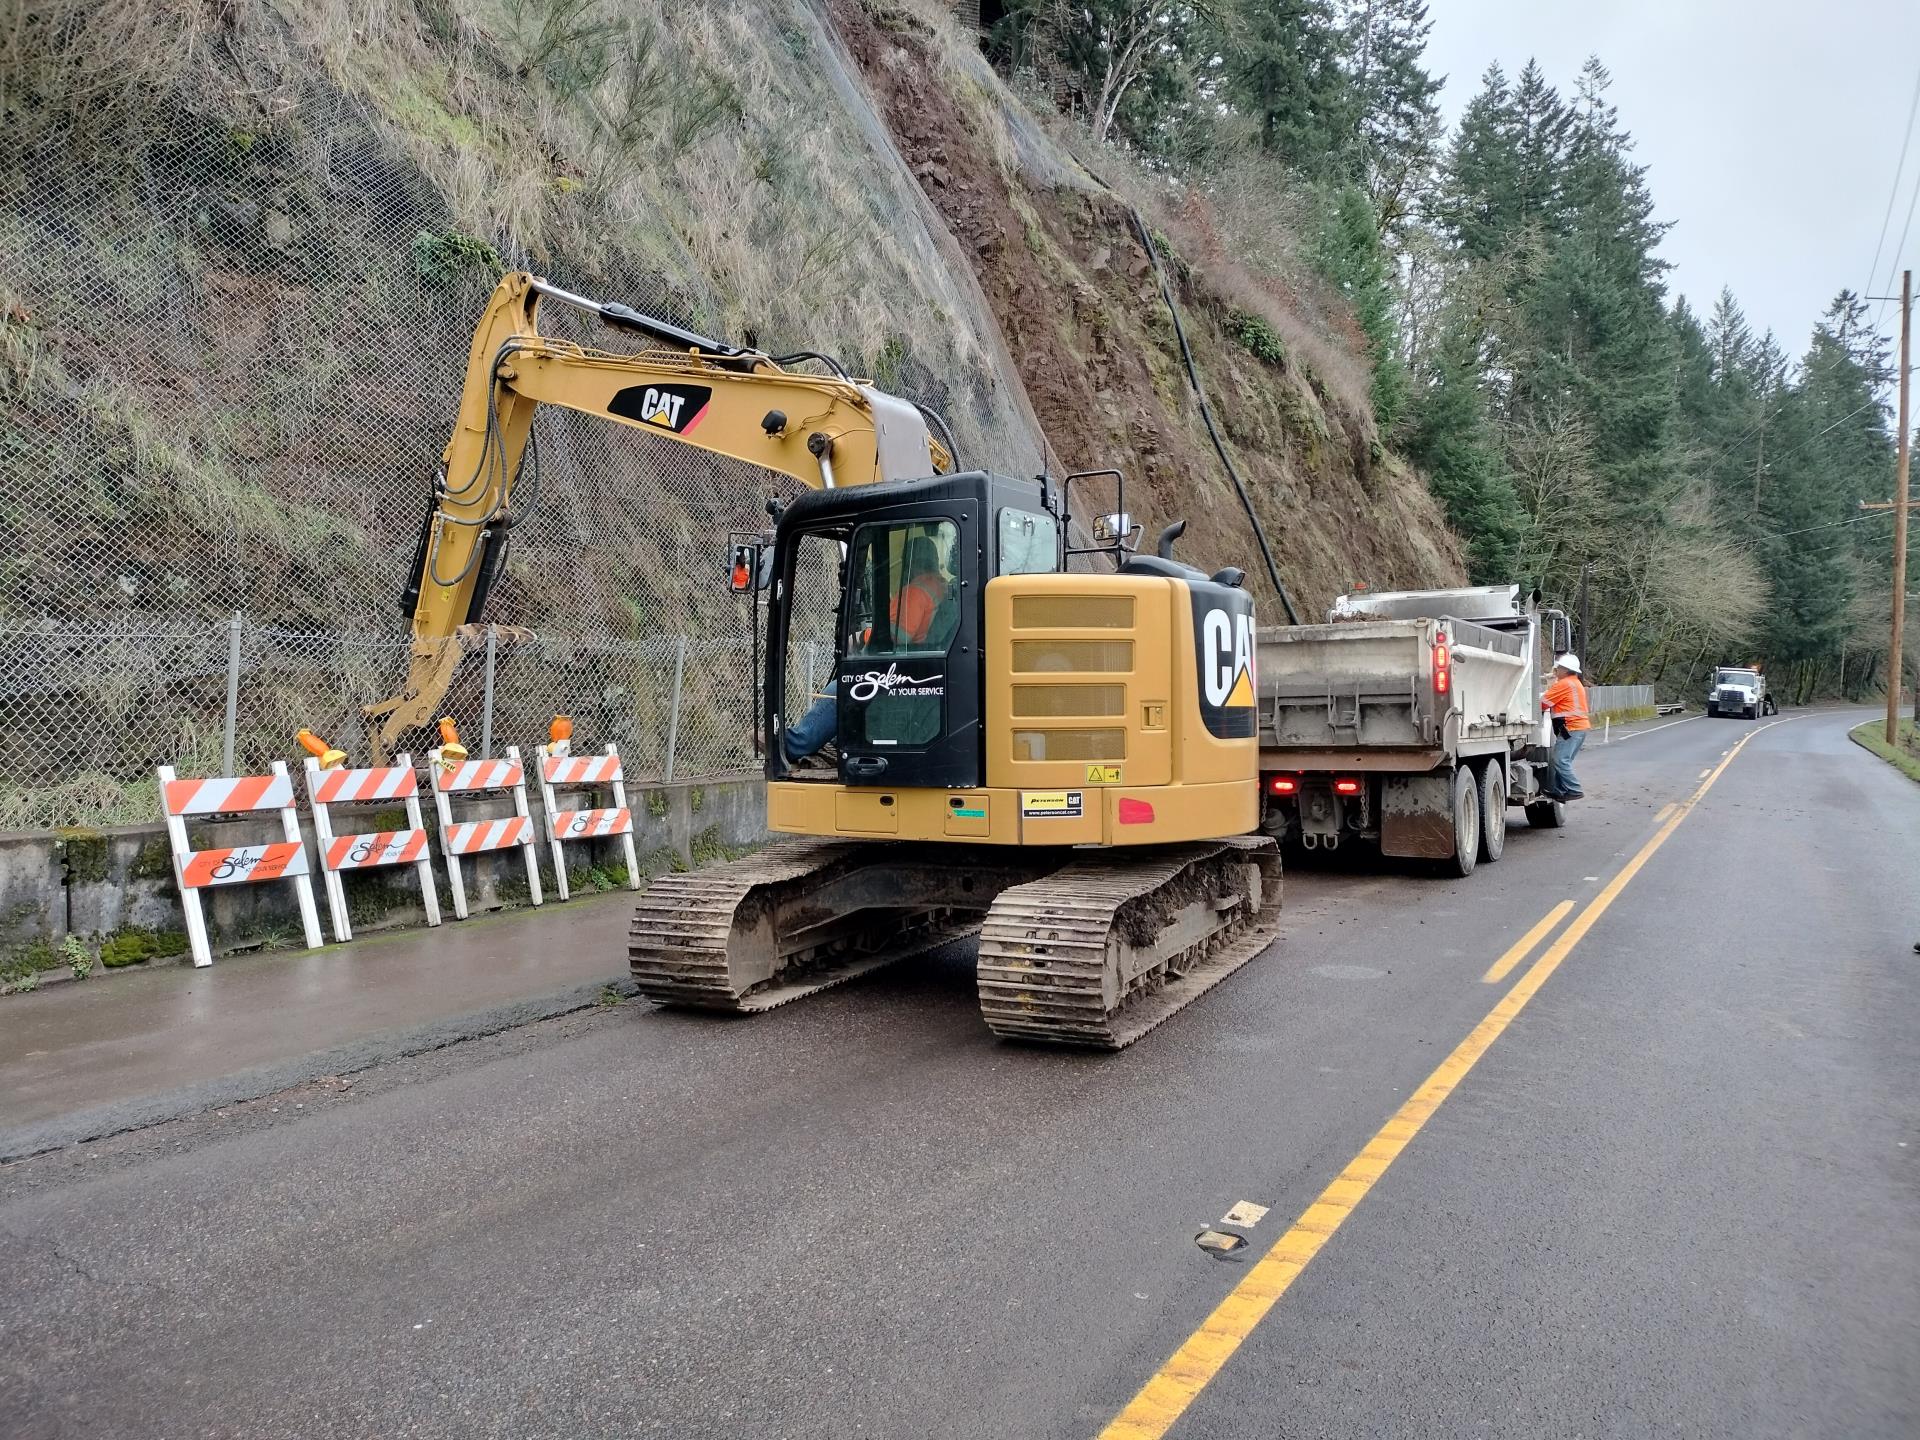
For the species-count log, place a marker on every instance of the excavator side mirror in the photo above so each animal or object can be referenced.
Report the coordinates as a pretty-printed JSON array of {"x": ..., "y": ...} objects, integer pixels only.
[
  {"x": 1112, "y": 529},
  {"x": 747, "y": 567}
]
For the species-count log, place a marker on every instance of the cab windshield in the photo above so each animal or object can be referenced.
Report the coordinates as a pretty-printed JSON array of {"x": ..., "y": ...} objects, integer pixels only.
[{"x": 1737, "y": 677}]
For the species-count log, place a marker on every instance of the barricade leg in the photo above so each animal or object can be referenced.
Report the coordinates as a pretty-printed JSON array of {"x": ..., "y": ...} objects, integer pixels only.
[
  {"x": 626, "y": 840},
  {"x": 323, "y": 833},
  {"x": 302, "y": 884},
  {"x": 520, "y": 809},
  {"x": 429, "y": 887},
  {"x": 454, "y": 883},
  {"x": 552, "y": 806},
  {"x": 197, "y": 944}
]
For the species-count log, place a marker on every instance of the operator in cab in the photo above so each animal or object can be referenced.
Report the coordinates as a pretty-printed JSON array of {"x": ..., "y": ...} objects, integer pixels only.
[
  {"x": 912, "y": 611},
  {"x": 1566, "y": 700}
]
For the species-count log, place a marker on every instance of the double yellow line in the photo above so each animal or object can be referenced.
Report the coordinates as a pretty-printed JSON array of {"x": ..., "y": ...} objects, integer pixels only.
[{"x": 1188, "y": 1371}]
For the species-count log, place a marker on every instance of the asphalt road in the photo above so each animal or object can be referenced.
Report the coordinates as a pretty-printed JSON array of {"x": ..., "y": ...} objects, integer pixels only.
[{"x": 1676, "y": 1195}]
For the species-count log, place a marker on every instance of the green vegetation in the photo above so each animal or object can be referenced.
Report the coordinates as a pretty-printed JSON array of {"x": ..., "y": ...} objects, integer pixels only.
[
  {"x": 78, "y": 957},
  {"x": 445, "y": 256},
  {"x": 22, "y": 965},
  {"x": 136, "y": 944},
  {"x": 1904, "y": 755},
  {"x": 598, "y": 878},
  {"x": 1257, "y": 337},
  {"x": 1580, "y": 425}
]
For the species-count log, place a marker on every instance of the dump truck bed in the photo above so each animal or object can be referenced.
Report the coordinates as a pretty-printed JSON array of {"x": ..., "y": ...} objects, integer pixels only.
[{"x": 1364, "y": 694}]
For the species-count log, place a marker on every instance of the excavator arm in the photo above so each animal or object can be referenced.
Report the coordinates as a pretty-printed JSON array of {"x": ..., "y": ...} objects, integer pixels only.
[{"x": 824, "y": 431}]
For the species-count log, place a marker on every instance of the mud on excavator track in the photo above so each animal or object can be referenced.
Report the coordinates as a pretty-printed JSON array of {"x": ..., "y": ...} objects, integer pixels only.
[{"x": 1075, "y": 948}]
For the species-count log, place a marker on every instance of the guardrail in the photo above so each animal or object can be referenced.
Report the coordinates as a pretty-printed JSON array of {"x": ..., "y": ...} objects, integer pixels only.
[{"x": 1620, "y": 702}]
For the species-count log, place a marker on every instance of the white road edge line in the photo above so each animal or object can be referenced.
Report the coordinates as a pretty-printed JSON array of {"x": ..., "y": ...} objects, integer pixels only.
[{"x": 1668, "y": 726}]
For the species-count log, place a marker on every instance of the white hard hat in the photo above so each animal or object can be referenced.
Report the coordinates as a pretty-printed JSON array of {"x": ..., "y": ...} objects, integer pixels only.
[{"x": 1569, "y": 661}]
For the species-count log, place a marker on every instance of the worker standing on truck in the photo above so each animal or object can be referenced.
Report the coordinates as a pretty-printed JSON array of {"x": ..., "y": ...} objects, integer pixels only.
[{"x": 1566, "y": 701}]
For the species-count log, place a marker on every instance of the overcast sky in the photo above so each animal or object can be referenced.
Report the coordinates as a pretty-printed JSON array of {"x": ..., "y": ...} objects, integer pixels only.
[{"x": 1771, "y": 129}]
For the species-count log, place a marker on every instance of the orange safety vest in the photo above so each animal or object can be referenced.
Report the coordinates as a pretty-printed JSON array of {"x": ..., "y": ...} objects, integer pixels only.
[
  {"x": 912, "y": 610},
  {"x": 1566, "y": 699}
]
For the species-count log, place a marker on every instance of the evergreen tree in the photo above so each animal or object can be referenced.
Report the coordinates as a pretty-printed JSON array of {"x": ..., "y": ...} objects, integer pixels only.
[
  {"x": 1285, "y": 70},
  {"x": 1398, "y": 104},
  {"x": 1351, "y": 254}
]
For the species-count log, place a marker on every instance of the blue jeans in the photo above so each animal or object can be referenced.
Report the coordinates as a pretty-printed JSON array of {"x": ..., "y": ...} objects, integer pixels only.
[
  {"x": 1563, "y": 753},
  {"x": 815, "y": 728}
]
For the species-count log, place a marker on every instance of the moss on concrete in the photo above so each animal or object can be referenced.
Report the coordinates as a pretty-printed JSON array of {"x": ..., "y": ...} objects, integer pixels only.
[
  {"x": 87, "y": 857},
  {"x": 137, "y": 944}
]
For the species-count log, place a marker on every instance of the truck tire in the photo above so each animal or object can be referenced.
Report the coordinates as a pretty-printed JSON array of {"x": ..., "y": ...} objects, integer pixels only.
[
  {"x": 1547, "y": 815},
  {"x": 1466, "y": 825},
  {"x": 1493, "y": 811},
  {"x": 1713, "y": 711}
]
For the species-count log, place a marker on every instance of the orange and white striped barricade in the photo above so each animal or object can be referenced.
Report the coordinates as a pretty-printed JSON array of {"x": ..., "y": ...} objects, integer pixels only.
[
  {"x": 577, "y": 772},
  {"x": 476, "y": 837},
  {"x": 378, "y": 785},
  {"x": 197, "y": 870}
]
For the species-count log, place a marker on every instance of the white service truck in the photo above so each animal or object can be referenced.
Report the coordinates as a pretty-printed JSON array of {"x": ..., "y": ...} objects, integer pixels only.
[
  {"x": 1739, "y": 690},
  {"x": 1411, "y": 720}
]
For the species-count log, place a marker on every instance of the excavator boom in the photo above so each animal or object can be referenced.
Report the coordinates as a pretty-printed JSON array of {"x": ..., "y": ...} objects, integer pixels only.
[{"x": 824, "y": 431}]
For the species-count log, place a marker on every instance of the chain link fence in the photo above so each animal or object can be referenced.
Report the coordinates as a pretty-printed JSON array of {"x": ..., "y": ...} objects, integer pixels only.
[{"x": 231, "y": 353}]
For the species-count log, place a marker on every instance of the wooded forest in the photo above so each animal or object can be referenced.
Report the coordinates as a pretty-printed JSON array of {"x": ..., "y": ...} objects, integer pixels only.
[{"x": 1583, "y": 426}]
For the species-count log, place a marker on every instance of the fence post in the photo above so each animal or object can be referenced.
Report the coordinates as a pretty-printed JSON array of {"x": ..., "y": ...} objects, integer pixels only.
[
  {"x": 673, "y": 717},
  {"x": 486, "y": 703},
  {"x": 231, "y": 733}
]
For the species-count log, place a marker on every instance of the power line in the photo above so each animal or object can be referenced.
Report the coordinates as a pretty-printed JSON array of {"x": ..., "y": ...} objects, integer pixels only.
[
  {"x": 1830, "y": 525},
  {"x": 1893, "y": 192}
]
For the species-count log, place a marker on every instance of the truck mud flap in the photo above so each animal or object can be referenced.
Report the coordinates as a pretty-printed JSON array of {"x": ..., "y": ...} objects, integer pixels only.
[{"x": 1416, "y": 815}]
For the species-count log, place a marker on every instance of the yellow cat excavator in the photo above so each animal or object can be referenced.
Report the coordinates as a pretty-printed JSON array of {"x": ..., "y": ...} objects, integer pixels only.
[{"x": 1063, "y": 764}]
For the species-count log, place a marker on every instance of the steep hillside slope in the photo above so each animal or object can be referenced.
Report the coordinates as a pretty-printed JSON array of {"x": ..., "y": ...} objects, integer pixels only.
[
  {"x": 1075, "y": 295},
  {"x": 242, "y": 246}
]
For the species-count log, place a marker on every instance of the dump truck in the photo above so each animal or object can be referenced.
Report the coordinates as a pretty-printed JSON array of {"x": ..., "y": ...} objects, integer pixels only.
[
  {"x": 1409, "y": 721},
  {"x": 1739, "y": 690}
]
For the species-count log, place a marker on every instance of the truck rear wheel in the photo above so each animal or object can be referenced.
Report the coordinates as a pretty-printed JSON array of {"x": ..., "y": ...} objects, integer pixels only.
[
  {"x": 1547, "y": 814},
  {"x": 1466, "y": 824},
  {"x": 1493, "y": 811}
]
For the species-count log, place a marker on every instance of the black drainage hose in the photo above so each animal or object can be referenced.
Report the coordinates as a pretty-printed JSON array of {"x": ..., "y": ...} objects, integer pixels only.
[{"x": 1206, "y": 414}]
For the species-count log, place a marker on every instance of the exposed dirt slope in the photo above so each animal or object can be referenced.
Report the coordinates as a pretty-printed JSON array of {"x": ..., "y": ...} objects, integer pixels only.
[{"x": 1075, "y": 295}]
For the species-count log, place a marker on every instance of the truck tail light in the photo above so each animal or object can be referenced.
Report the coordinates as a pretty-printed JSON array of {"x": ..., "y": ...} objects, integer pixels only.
[
  {"x": 1284, "y": 785},
  {"x": 1346, "y": 787},
  {"x": 1442, "y": 668}
]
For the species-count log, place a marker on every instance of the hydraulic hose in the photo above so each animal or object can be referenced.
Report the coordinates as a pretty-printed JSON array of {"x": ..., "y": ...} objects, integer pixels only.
[{"x": 1206, "y": 414}]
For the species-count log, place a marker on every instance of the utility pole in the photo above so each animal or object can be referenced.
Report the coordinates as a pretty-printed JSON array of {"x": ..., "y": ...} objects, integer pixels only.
[{"x": 1895, "y": 656}]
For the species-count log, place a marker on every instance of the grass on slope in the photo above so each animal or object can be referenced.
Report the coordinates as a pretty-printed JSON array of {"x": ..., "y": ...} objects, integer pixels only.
[{"x": 1905, "y": 756}]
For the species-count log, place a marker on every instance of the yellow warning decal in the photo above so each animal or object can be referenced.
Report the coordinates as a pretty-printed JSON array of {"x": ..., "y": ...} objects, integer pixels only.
[
  {"x": 1242, "y": 692},
  {"x": 1103, "y": 774}
]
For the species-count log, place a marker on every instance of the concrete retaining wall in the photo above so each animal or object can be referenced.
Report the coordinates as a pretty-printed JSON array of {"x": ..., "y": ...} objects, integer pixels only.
[{"x": 113, "y": 890}]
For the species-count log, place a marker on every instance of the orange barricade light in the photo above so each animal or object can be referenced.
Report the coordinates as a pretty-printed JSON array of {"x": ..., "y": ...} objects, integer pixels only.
[
  {"x": 452, "y": 752},
  {"x": 560, "y": 736},
  {"x": 329, "y": 758}
]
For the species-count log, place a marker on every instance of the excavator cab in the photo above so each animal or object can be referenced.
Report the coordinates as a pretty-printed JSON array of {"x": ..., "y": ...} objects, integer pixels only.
[
  {"x": 895, "y": 641},
  {"x": 975, "y": 691}
]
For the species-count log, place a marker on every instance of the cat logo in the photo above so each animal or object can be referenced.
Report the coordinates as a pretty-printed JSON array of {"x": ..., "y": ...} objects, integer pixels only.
[
  {"x": 676, "y": 408},
  {"x": 1223, "y": 654},
  {"x": 1226, "y": 658}
]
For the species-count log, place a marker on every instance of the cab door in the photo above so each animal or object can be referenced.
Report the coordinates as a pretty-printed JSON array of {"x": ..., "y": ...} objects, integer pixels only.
[{"x": 908, "y": 681}]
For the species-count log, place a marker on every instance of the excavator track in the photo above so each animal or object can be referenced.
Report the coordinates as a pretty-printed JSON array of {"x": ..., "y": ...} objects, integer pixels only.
[
  {"x": 792, "y": 919},
  {"x": 1102, "y": 950}
]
